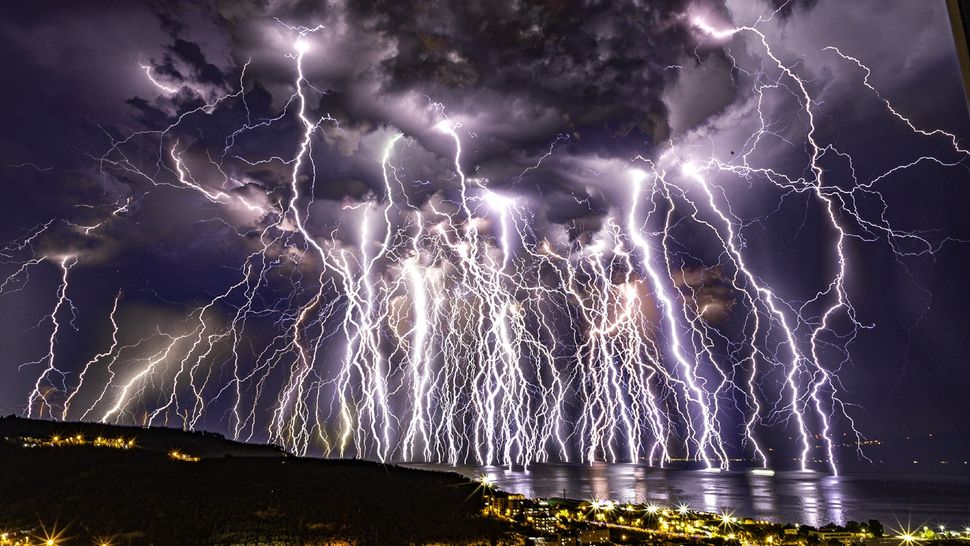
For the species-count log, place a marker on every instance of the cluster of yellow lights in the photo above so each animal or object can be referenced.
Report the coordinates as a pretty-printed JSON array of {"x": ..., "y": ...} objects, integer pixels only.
[
  {"x": 179, "y": 456},
  {"x": 912, "y": 536},
  {"x": 11, "y": 539},
  {"x": 117, "y": 443},
  {"x": 684, "y": 522},
  {"x": 79, "y": 440},
  {"x": 48, "y": 539}
]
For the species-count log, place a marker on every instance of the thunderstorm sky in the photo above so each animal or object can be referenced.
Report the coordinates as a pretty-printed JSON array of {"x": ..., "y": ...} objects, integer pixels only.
[{"x": 552, "y": 102}]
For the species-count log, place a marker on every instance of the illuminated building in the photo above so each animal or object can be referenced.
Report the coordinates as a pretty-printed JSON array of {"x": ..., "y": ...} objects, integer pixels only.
[
  {"x": 510, "y": 505},
  {"x": 539, "y": 516}
]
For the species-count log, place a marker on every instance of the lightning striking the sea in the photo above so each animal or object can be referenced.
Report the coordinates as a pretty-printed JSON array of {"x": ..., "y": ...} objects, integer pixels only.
[{"x": 438, "y": 321}]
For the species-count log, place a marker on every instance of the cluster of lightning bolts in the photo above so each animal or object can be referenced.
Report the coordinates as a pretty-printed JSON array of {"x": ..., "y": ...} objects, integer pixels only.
[{"x": 454, "y": 332}]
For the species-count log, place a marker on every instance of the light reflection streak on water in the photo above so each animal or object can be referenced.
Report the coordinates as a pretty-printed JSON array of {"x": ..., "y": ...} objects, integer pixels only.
[
  {"x": 763, "y": 494},
  {"x": 833, "y": 498},
  {"x": 601, "y": 483},
  {"x": 709, "y": 490},
  {"x": 798, "y": 497},
  {"x": 808, "y": 493}
]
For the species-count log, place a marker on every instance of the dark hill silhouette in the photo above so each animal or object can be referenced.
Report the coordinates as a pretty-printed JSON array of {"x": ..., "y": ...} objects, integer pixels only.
[
  {"x": 255, "y": 495},
  {"x": 201, "y": 444}
]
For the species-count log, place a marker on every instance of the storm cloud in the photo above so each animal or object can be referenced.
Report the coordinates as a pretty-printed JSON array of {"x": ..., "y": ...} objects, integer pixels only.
[{"x": 108, "y": 106}]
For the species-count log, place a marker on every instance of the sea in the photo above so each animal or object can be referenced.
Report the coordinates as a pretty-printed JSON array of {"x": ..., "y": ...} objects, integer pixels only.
[{"x": 900, "y": 501}]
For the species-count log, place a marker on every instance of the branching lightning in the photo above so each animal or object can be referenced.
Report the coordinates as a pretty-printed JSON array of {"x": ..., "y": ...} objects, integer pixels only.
[{"x": 449, "y": 329}]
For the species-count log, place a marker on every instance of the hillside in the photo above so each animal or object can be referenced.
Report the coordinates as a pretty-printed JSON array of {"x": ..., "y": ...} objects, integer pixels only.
[{"x": 234, "y": 493}]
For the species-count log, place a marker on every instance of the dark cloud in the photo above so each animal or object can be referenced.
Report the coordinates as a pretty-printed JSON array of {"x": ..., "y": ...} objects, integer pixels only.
[
  {"x": 709, "y": 291},
  {"x": 191, "y": 54},
  {"x": 597, "y": 71},
  {"x": 786, "y": 8},
  {"x": 601, "y": 63}
]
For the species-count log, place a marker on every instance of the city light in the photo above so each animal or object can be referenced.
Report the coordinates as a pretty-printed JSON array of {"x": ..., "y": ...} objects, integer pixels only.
[
  {"x": 77, "y": 440},
  {"x": 177, "y": 455},
  {"x": 680, "y": 526}
]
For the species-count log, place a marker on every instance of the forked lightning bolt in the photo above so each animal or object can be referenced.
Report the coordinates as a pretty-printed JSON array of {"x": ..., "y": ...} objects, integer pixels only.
[{"x": 444, "y": 325}]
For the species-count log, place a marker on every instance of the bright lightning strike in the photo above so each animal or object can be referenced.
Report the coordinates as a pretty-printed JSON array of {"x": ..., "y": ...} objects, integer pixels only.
[{"x": 448, "y": 329}]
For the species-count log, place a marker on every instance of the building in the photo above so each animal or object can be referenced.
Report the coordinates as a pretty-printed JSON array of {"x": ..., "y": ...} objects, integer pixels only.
[
  {"x": 509, "y": 505},
  {"x": 539, "y": 516},
  {"x": 834, "y": 534}
]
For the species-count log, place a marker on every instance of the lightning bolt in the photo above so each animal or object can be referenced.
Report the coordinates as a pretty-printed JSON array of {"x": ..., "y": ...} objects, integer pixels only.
[{"x": 436, "y": 322}]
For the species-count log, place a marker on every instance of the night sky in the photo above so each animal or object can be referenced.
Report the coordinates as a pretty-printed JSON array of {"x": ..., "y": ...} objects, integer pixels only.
[{"x": 106, "y": 106}]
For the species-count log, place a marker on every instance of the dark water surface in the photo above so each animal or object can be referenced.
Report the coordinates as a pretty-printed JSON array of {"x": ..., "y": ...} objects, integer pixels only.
[{"x": 799, "y": 497}]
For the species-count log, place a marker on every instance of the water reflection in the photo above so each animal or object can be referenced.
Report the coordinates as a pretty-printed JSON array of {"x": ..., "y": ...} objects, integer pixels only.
[
  {"x": 833, "y": 497},
  {"x": 601, "y": 483},
  {"x": 709, "y": 489},
  {"x": 805, "y": 497},
  {"x": 808, "y": 493},
  {"x": 762, "y": 490}
]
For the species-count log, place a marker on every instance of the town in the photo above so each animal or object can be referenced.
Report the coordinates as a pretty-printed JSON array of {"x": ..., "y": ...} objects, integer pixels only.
[{"x": 565, "y": 522}]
